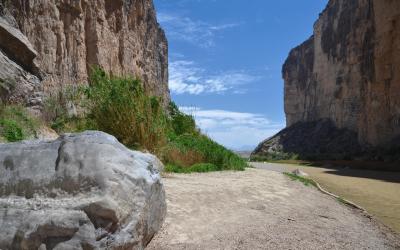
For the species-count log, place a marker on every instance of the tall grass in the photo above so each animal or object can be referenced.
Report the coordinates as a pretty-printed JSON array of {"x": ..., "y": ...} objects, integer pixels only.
[
  {"x": 204, "y": 149},
  {"x": 119, "y": 106}
]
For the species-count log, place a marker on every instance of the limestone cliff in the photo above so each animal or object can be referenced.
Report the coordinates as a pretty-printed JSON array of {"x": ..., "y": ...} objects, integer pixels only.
[
  {"x": 349, "y": 71},
  {"x": 68, "y": 37}
]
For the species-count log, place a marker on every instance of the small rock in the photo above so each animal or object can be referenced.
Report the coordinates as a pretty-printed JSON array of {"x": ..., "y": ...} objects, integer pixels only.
[{"x": 300, "y": 173}]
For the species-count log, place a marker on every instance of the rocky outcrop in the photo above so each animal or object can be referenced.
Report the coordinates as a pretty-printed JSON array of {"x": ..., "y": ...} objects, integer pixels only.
[
  {"x": 312, "y": 141},
  {"x": 81, "y": 191},
  {"x": 349, "y": 71},
  {"x": 121, "y": 36},
  {"x": 19, "y": 75}
]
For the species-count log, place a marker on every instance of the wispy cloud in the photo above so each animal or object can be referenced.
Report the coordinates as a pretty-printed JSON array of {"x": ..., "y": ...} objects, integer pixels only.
[
  {"x": 187, "y": 78},
  {"x": 234, "y": 129},
  {"x": 196, "y": 32}
]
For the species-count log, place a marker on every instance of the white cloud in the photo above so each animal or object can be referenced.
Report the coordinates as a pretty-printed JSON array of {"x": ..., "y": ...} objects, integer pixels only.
[
  {"x": 235, "y": 130},
  {"x": 187, "y": 78},
  {"x": 196, "y": 32}
]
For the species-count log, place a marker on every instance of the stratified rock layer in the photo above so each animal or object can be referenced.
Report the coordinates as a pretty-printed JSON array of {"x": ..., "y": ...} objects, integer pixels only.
[
  {"x": 121, "y": 36},
  {"x": 349, "y": 70},
  {"x": 81, "y": 191}
]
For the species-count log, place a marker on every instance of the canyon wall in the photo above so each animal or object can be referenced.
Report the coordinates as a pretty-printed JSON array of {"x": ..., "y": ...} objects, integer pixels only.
[
  {"x": 349, "y": 71},
  {"x": 65, "y": 38},
  {"x": 342, "y": 87}
]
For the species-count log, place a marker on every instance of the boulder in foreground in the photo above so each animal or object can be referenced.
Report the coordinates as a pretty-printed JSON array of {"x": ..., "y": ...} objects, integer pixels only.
[{"x": 81, "y": 191}]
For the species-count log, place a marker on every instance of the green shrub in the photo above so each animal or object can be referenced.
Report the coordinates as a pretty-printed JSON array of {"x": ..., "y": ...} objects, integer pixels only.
[
  {"x": 119, "y": 106},
  {"x": 181, "y": 123},
  {"x": 16, "y": 124},
  {"x": 11, "y": 131},
  {"x": 205, "y": 149},
  {"x": 196, "y": 168}
]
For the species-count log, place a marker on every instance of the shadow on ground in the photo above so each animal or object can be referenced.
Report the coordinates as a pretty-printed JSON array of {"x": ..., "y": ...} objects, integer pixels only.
[
  {"x": 369, "y": 174},
  {"x": 389, "y": 172}
]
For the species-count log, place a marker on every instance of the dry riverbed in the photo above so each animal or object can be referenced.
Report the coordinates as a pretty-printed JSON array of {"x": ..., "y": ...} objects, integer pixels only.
[{"x": 259, "y": 209}]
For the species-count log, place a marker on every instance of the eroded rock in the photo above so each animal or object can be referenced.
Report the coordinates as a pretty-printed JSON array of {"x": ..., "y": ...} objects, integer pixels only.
[{"x": 81, "y": 191}]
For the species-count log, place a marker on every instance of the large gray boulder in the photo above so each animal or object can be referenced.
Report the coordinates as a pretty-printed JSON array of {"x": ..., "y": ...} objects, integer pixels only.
[{"x": 81, "y": 191}]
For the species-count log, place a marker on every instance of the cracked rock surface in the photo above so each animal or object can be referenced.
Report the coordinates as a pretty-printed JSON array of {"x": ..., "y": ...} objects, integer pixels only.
[{"x": 81, "y": 191}]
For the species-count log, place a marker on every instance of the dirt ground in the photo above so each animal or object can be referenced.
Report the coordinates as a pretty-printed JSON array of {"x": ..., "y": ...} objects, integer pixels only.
[
  {"x": 259, "y": 209},
  {"x": 376, "y": 191}
]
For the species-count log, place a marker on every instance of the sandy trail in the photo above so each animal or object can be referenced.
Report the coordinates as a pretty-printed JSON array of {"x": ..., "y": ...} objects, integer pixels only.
[
  {"x": 259, "y": 209},
  {"x": 376, "y": 191}
]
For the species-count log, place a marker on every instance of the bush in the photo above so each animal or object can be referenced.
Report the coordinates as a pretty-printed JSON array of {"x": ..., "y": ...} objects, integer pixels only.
[
  {"x": 197, "y": 168},
  {"x": 203, "y": 150},
  {"x": 119, "y": 106},
  {"x": 11, "y": 131},
  {"x": 181, "y": 123},
  {"x": 16, "y": 124}
]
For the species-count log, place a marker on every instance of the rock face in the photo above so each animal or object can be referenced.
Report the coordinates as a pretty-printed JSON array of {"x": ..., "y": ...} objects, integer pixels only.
[
  {"x": 19, "y": 75},
  {"x": 81, "y": 191},
  {"x": 121, "y": 36},
  {"x": 349, "y": 71},
  {"x": 311, "y": 140}
]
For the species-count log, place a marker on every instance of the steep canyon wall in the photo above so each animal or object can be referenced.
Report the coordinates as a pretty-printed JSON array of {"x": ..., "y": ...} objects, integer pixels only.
[
  {"x": 349, "y": 70},
  {"x": 342, "y": 86}
]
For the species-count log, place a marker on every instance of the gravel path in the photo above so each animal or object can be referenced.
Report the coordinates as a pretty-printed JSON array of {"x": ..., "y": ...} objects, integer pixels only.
[{"x": 259, "y": 209}]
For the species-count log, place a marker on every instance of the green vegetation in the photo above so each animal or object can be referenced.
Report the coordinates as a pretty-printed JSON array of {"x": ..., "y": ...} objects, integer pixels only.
[
  {"x": 341, "y": 200},
  {"x": 16, "y": 124},
  {"x": 305, "y": 181},
  {"x": 196, "y": 168},
  {"x": 187, "y": 150},
  {"x": 274, "y": 157},
  {"x": 120, "y": 106},
  {"x": 60, "y": 110}
]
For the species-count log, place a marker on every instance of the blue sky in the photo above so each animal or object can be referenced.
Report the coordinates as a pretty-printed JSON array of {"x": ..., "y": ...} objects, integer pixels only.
[{"x": 225, "y": 60}]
